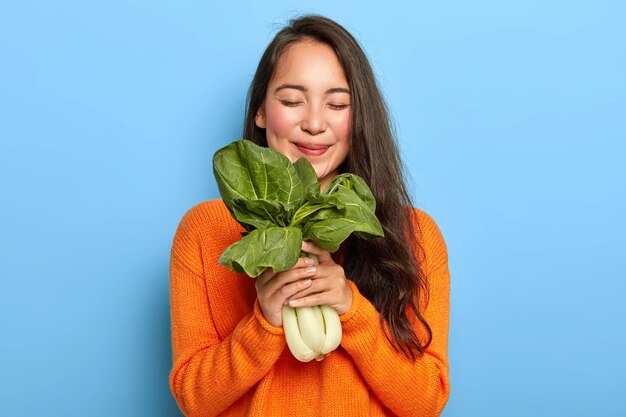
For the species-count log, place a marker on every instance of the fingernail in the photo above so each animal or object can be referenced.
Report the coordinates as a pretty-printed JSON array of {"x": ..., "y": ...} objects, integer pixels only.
[
  {"x": 308, "y": 261},
  {"x": 306, "y": 282},
  {"x": 310, "y": 270},
  {"x": 294, "y": 303}
]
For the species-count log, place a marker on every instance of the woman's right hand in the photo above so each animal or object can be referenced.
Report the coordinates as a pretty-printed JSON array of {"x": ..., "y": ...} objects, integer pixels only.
[{"x": 273, "y": 289}]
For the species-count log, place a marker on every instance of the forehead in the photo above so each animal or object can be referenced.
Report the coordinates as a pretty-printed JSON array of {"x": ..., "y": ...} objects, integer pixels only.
[{"x": 309, "y": 61}]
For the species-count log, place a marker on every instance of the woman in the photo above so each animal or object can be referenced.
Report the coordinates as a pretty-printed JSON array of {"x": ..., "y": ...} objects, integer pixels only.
[{"x": 314, "y": 95}]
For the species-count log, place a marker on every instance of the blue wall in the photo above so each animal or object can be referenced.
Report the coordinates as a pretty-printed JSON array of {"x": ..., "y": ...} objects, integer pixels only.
[{"x": 512, "y": 120}]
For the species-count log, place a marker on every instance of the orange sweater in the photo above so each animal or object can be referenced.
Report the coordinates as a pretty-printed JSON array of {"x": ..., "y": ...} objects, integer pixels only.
[{"x": 229, "y": 361}]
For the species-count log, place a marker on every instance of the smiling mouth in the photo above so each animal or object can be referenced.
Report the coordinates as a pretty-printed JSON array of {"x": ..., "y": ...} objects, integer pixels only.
[{"x": 311, "y": 149}]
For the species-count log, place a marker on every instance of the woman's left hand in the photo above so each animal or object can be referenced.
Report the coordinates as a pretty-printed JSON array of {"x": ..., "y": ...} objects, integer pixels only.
[{"x": 329, "y": 285}]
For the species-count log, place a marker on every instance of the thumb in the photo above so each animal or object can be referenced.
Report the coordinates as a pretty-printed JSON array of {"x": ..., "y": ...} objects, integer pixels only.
[{"x": 323, "y": 256}]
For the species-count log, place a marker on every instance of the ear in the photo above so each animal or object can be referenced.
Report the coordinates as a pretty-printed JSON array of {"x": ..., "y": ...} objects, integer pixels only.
[{"x": 259, "y": 119}]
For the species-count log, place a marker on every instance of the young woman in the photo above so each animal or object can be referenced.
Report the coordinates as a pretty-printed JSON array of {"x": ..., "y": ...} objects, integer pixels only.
[{"x": 314, "y": 95}]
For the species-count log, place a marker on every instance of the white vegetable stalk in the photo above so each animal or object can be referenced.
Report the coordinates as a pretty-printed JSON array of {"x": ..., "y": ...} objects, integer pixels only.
[{"x": 311, "y": 332}]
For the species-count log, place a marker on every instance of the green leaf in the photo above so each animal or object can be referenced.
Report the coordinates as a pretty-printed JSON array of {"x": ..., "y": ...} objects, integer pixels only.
[
  {"x": 308, "y": 209},
  {"x": 273, "y": 247},
  {"x": 345, "y": 213},
  {"x": 308, "y": 178},
  {"x": 354, "y": 183},
  {"x": 329, "y": 234},
  {"x": 279, "y": 203},
  {"x": 246, "y": 171},
  {"x": 257, "y": 214}
]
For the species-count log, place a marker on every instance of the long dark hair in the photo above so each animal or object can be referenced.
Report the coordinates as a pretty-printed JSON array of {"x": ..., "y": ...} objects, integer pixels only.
[{"x": 385, "y": 270}]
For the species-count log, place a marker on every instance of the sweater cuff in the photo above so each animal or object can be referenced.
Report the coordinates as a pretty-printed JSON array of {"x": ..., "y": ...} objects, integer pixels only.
[
  {"x": 361, "y": 313},
  {"x": 258, "y": 313},
  {"x": 360, "y": 325},
  {"x": 359, "y": 302}
]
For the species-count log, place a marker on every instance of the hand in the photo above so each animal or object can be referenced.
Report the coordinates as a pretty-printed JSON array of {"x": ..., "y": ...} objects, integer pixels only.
[
  {"x": 304, "y": 285},
  {"x": 273, "y": 289},
  {"x": 329, "y": 285}
]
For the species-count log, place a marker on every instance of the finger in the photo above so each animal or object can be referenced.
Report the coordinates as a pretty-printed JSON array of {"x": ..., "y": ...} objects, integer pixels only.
[
  {"x": 285, "y": 292},
  {"x": 340, "y": 301},
  {"x": 327, "y": 278},
  {"x": 264, "y": 278},
  {"x": 311, "y": 300},
  {"x": 329, "y": 287},
  {"x": 323, "y": 256},
  {"x": 288, "y": 277},
  {"x": 317, "y": 286},
  {"x": 269, "y": 274}
]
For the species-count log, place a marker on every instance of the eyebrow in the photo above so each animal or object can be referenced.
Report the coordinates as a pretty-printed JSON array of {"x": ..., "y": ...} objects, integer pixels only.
[{"x": 304, "y": 90}]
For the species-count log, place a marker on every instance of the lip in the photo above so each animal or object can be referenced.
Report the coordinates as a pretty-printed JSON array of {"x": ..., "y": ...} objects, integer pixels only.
[{"x": 312, "y": 149}]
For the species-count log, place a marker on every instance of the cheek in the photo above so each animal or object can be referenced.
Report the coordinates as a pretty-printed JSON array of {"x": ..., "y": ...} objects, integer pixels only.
[
  {"x": 279, "y": 120},
  {"x": 341, "y": 125}
]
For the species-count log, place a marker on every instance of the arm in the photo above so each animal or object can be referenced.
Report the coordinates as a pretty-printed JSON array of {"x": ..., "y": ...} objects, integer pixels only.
[
  {"x": 209, "y": 374},
  {"x": 408, "y": 388}
]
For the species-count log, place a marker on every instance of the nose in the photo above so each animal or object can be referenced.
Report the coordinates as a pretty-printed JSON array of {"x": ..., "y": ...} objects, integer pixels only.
[{"x": 313, "y": 121}]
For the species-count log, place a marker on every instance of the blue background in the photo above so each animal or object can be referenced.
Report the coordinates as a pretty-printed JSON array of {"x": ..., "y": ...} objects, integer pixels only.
[{"x": 512, "y": 121}]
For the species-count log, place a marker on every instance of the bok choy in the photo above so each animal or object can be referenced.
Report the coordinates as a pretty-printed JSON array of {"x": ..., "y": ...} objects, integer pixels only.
[{"x": 280, "y": 204}]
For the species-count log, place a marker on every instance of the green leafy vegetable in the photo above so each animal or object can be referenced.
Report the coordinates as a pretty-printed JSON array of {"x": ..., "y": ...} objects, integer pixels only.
[
  {"x": 280, "y": 204},
  {"x": 263, "y": 248}
]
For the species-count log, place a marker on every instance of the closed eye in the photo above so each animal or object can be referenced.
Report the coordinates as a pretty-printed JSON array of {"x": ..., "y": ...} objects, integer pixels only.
[
  {"x": 338, "y": 106},
  {"x": 289, "y": 103}
]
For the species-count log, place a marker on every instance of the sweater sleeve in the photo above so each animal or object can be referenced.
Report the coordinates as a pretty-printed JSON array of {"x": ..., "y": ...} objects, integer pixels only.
[
  {"x": 209, "y": 374},
  {"x": 406, "y": 387}
]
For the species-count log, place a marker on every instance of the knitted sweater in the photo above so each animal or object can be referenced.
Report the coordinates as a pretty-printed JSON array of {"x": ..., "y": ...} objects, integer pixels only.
[{"x": 229, "y": 361}]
